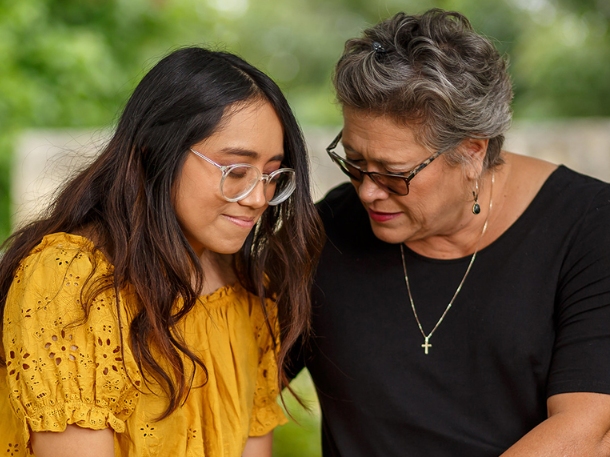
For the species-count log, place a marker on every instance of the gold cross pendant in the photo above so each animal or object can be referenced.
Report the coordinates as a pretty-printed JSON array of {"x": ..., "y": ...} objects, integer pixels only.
[{"x": 426, "y": 344}]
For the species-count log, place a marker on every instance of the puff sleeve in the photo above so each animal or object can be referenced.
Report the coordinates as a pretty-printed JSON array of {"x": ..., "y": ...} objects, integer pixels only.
[{"x": 64, "y": 367}]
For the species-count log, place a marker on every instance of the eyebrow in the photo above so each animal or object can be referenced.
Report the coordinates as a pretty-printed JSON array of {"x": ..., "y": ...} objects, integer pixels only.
[{"x": 240, "y": 152}]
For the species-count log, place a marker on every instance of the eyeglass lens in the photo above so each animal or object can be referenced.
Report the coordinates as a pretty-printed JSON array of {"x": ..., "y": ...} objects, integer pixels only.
[
  {"x": 392, "y": 184},
  {"x": 240, "y": 180}
]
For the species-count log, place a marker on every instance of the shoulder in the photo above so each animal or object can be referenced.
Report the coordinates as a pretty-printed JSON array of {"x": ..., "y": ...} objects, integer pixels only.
[
  {"x": 581, "y": 192},
  {"x": 588, "y": 199},
  {"x": 60, "y": 251},
  {"x": 547, "y": 176},
  {"x": 76, "y": 369},
  {"x": 51, "y": 278},
  {"x": 575, "y": 208},
  {"x": 538, "y": 193}
]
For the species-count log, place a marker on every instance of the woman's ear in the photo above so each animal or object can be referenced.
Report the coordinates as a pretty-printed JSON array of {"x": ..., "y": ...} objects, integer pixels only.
[{"x": 474, "y": 150}]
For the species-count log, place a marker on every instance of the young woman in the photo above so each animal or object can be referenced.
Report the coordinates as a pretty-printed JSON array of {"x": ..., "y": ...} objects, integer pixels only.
[{"x": 142, "y": 315}]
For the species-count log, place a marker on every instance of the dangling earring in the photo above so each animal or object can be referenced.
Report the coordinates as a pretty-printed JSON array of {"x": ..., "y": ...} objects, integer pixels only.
[{"x": 476, "y": 208}]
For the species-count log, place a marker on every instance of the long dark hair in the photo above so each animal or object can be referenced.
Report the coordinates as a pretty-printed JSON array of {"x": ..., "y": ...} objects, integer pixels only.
[{"x": 124, "y": 198}]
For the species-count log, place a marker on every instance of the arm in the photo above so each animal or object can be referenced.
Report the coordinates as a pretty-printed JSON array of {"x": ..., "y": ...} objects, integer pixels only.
[
  {"x": 259, "y": 446},
  {"x": 65, "y": 391},
  {"x": 74, "y": 441},
  {"x": 578, "y": 425}
]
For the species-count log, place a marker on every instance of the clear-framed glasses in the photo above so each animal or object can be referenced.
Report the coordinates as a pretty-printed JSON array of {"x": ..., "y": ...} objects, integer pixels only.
[
  {"x": 239, "y": 180},
  {"x": 390, "y": 182}
]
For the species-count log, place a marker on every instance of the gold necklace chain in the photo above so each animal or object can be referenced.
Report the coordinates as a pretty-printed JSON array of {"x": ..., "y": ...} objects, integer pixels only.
[{"x": 427, "y": 337}]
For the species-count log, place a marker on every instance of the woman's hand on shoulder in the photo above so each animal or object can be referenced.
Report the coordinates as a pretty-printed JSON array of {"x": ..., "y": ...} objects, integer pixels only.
[{"x": 74, "y": 441}]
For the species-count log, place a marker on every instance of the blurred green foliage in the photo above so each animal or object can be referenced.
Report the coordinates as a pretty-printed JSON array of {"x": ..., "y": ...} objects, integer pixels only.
[
  {"x": 301, "y": 436},
  {"x": 73, "y": 63}
]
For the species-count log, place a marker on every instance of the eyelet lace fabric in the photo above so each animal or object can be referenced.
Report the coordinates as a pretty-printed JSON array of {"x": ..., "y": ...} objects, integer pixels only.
[{"x": 63, "y": 368}]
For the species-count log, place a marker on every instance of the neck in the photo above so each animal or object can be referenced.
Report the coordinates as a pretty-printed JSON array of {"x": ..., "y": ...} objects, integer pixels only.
[{"x": 217, "y": 271}]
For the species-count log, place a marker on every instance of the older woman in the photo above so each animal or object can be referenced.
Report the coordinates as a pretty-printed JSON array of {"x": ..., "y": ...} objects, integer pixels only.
[{"x": 462, "y": 305}]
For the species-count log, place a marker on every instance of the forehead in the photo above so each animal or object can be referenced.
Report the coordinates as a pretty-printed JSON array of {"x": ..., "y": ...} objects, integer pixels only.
[
  {"x": 251, "y": 130},
  {"x": 380, "y": 137}
]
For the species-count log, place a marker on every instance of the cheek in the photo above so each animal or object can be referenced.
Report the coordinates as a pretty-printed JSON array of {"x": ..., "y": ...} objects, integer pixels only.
[{"x": 195, "y": 200}]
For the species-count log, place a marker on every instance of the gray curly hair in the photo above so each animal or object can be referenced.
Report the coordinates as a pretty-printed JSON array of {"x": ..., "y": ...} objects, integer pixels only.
[{"x": 432, "y": 71}]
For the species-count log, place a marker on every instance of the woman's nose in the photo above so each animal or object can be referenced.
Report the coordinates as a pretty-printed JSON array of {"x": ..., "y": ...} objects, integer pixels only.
[
  {"x": 256, "y": 198},
  {"x": 369, "y": 191}
]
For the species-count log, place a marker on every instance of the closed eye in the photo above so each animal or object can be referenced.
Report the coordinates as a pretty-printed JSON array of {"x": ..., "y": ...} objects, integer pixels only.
[
  {"x": 399, "y": 173},
  {"x": 268, "y": 172},
  {"x": 356, "y": 161},
  {"x": 238, "y": 173}
]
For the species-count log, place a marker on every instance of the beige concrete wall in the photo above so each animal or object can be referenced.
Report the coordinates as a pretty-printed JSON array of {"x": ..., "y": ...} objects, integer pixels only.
[
  {"x": 583, "y": 145},
  {"x": 45, "y": 159}
]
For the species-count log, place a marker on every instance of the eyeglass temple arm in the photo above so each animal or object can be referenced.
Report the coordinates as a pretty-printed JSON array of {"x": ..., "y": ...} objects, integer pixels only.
[
  {"x": 198, "y": 154},
  {"x": 424, "y": 164},
  {"x": 335, "y": 142}
]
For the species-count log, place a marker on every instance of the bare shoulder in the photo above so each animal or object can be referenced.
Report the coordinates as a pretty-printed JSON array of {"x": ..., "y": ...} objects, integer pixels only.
[
  {"x": 523, "y": 177},
  {"x": 530, "y": 171}
]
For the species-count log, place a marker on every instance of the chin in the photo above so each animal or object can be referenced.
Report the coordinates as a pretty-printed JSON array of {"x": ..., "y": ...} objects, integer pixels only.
[
  {"x": 225, "y": 247},
  {"x": 389, "y": 235},
  {"x": 228, "y": 248}
]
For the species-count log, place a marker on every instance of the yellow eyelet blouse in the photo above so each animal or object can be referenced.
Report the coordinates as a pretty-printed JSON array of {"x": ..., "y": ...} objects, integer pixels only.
[{"x": 61, "y": 370}]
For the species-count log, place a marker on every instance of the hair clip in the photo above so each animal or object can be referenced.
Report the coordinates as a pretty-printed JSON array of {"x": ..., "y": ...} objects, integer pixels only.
[{"x": 378, "y": 49}]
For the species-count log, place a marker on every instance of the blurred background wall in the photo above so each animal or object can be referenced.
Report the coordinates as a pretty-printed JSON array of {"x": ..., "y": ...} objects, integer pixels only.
[{"x": 68, "y": 66}]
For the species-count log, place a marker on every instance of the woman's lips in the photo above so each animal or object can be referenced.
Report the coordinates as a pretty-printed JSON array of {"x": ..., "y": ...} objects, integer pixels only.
[
  {"x": 379, "y": 216},
  {"x": 244, "y": 222}
]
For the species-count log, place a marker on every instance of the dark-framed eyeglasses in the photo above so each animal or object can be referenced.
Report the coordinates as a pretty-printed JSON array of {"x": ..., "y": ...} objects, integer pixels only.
[
  {"x": 239, "y": 180},
  {"x": 390, "y": 182}
]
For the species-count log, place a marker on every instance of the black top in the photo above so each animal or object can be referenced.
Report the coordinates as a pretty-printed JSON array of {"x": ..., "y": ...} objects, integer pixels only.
[{"x": 532, "y": 320}]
